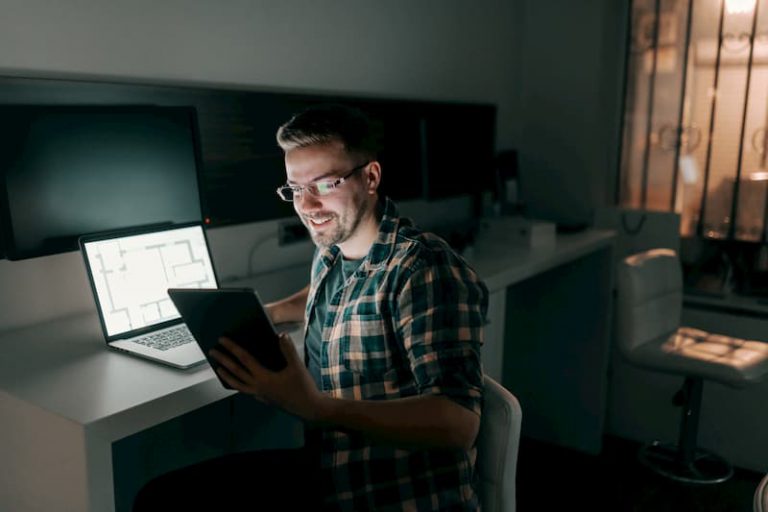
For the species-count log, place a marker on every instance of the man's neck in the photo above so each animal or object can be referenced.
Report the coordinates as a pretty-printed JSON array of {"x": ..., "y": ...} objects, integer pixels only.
[{"x": 359, "y": 244}]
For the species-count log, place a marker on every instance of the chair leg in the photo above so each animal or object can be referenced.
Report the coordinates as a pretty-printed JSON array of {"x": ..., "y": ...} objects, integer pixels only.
[
  {"x": 689, "y": 424},
  {"x": 685, "y": 462}
]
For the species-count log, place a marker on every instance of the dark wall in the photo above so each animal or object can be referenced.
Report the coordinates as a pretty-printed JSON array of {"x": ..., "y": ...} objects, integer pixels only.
[
  {"x": 431, "y": 150},
  {"x": 572, "y": 87}
]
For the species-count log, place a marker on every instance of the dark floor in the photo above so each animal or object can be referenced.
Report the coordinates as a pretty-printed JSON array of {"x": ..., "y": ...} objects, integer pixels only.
[{"x": 560, "y": 479}]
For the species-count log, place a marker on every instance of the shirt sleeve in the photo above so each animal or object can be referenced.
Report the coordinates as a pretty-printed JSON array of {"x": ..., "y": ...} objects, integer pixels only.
[{"x": 440, "y": 317}]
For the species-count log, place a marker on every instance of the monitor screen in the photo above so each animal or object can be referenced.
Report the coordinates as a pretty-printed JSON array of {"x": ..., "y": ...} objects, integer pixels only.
[{"x": 72, "y": 170}]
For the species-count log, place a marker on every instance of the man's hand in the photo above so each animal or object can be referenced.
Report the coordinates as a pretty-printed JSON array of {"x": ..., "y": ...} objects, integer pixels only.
[{"x": 291, "y": 388}]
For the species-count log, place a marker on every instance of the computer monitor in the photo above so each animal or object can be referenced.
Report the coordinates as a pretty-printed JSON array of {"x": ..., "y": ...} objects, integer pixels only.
[
  {"x": 459, "y": 142},
  {"x": 70, "y": 170}
]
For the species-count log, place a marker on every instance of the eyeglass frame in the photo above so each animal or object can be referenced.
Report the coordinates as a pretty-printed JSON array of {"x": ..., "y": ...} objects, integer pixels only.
[{"x": 332, "y": 185}]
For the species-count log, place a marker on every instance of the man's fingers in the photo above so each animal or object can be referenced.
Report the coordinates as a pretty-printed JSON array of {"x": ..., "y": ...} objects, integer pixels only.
[
  {"x": 287, "y": 348},
  {"x": 240, "y": 353},
  {"x": 230, "y": 379},
  {"x": 228, "y": 363}
]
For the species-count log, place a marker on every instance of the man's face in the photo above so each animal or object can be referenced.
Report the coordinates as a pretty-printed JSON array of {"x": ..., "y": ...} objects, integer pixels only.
[{"x": 330, "y": 219}]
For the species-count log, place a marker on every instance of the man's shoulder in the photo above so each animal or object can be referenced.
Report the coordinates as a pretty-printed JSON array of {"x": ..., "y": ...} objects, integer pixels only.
[
  {"x": 400, "y": 237},
  {"x": 415, "y": 248}
]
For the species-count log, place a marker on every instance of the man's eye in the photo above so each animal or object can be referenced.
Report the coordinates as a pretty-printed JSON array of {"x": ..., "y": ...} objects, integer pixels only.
[{"x": 323, "y": 188}]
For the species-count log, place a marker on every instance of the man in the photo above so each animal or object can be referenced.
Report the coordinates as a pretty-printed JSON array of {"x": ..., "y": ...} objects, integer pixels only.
[{"x": 391, "y": 386}]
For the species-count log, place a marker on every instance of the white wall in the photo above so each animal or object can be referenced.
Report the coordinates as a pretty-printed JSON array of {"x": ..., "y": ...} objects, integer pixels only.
[
  {"x": 431, "y": 49},
  {"x": 427, "y": 49},
  {"x": 571, "y": 75}
]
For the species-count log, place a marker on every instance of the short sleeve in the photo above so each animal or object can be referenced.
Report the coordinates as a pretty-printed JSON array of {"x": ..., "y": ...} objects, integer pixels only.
[{"x": 440, "y": 317}]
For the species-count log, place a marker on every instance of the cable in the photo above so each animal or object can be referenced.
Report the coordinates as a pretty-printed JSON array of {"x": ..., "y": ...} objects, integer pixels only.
[{"x": 635, "y": 230}]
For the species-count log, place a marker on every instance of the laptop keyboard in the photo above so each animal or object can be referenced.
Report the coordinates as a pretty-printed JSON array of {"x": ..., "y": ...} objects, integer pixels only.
[{"x": 165, "y": 340}]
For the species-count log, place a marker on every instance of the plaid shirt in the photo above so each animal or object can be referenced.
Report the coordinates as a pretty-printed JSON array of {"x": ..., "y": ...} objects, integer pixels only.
[{"x": 409, "y": 321}]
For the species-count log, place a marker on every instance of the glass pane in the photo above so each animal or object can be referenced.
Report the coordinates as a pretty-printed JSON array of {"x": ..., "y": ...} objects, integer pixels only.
[
  {"x": 699, "y": 98},
  {"x": 754, "y": 178},
  {"x": 667, "y": 96},
  {"x": 637, "y": 101},
  {"x": 729, "y": 111}
]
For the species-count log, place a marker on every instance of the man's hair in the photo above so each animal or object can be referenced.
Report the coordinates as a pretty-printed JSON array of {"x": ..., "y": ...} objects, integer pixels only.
[{"x": 326, "y": 123}]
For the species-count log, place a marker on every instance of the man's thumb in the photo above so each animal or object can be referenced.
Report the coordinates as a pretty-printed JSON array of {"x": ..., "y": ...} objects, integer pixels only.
[{"x": 287, "y": 348}]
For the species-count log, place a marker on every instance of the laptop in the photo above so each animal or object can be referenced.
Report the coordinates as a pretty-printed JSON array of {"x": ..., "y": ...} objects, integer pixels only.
[{"x": 130, "y": 272}]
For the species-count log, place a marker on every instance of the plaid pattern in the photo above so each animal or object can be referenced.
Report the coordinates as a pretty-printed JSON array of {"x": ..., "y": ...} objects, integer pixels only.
[{"x": 409, "y": 321}]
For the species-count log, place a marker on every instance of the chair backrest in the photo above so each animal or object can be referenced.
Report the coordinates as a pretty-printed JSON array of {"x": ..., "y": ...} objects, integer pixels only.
[
  {"x": 497, "y": 445},
  {"x": 639, "y": 230},
  {"x": 649, "y": 302},
  {"x": 761, "y": 496}
]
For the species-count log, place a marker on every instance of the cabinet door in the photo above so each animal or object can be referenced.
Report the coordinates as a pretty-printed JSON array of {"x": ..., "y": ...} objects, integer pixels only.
[
  {"x": 198, "y": 435},
  {"x": 256, "y": 426},
  {"x": 556, "y": 357}
]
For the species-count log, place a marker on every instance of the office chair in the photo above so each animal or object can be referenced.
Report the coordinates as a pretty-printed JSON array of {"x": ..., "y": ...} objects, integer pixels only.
[
  {"x": 761, "y": 496},
  {"x": 649, "y": 307},
  {"x": 497, "y": 445}
]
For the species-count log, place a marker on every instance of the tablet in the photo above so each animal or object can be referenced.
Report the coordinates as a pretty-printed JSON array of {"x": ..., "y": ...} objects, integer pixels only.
[{"x": 236, "y": 313}]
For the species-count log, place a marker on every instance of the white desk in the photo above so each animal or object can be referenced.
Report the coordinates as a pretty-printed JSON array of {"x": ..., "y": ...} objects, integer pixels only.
[{"x": 65, "y": 399}]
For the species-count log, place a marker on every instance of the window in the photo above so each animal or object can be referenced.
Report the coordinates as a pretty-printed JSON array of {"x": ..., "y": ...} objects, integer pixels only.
[{"x": 695, "y": 136}]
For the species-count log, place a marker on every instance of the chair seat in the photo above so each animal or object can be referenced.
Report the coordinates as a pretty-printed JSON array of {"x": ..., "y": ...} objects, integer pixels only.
[{"x": 731, "y": 361}]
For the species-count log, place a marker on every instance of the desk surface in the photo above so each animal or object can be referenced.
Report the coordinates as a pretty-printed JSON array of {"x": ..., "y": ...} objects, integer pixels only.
[
  {"x": 63, "y": 366},
  {"x": 501, "y": 264}
]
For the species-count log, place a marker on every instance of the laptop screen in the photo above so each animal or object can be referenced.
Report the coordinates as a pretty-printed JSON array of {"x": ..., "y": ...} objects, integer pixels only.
[{"x": 131, "y": 275}]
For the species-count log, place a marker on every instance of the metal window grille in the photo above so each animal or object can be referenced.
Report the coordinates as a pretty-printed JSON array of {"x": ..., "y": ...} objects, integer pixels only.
[{"x": 696, "y": 109}]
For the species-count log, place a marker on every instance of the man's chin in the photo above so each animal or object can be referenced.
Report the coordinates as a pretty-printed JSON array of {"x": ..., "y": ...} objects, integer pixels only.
[{"x": 322, "y": 240}]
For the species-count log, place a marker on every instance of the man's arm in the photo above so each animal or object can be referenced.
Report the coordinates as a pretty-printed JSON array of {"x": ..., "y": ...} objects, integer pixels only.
[
  {"x": 424, "y": 421},
  {"x": 289, "y": 309},
  {"x": 440, "y": 319}
]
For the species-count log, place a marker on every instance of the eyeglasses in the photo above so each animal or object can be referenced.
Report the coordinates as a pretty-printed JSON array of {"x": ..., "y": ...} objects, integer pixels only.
[{"x": 318, "y": 189}]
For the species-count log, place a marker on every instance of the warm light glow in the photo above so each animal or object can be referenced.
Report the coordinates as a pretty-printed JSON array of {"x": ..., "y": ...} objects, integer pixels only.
[
  {"x": 739, "y": 6},
  {"x": 759, "y": 176}
]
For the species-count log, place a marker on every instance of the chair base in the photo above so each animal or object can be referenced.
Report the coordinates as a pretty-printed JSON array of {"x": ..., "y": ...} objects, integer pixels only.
[{"x": 666, "y": 460}]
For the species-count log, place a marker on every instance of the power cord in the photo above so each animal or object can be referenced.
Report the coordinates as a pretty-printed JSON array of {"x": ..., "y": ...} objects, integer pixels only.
[
  {"x": 630, "y": 230},
  {"x": 255, "y": 246}
]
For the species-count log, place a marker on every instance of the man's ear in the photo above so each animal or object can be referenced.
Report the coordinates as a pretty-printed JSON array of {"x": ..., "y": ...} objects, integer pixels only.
[{"x": 373, "y": 177}]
